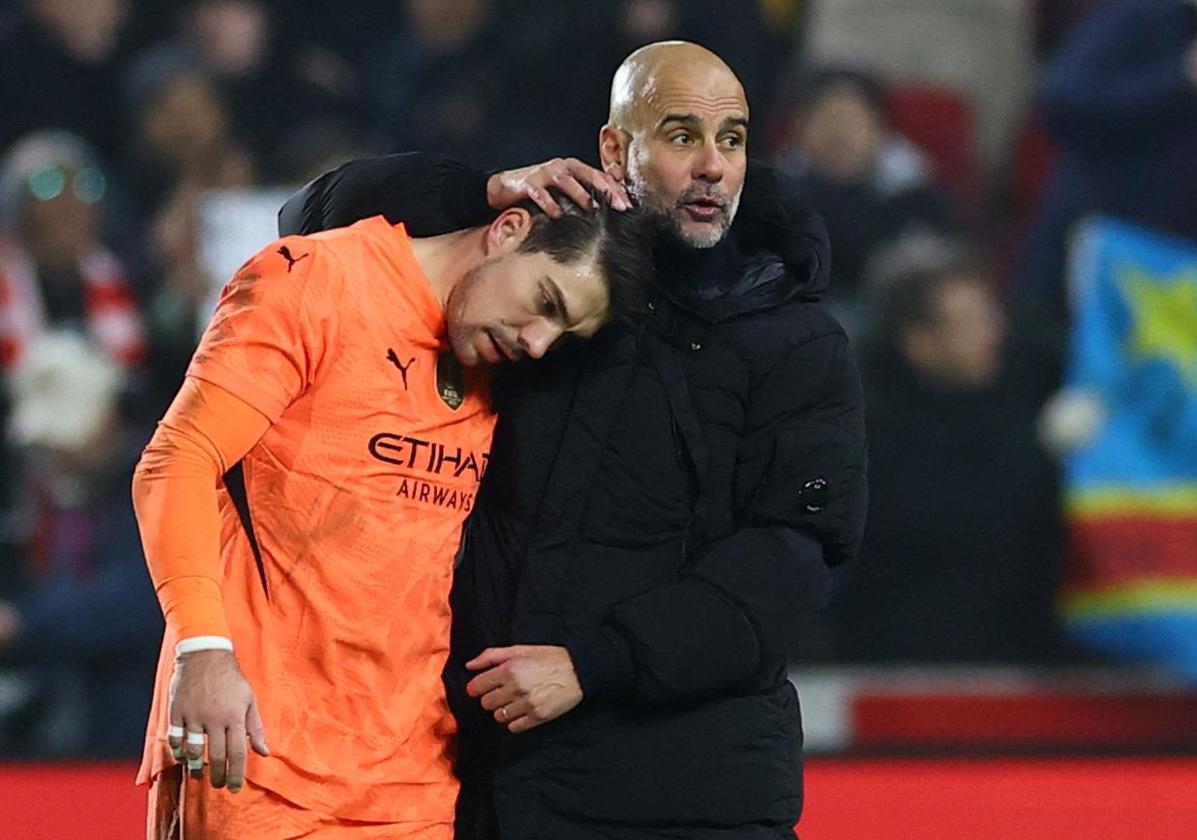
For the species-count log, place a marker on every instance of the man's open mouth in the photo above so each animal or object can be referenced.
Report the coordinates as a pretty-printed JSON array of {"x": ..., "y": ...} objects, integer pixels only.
[{"x": 703, "y": 209}]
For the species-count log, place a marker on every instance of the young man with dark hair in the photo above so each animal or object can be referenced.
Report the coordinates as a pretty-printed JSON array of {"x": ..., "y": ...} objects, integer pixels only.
[{"x": 301, "y": 505}]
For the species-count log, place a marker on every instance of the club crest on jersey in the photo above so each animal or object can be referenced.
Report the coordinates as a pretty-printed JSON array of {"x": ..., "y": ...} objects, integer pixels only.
[{"x": 450, "y": 380}]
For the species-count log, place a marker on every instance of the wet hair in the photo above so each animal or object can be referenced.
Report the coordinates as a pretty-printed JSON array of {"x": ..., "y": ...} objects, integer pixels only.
[{"x": 620, "y": 243}]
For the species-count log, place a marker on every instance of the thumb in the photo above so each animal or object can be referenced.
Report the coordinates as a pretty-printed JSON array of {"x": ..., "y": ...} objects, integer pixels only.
[{"x": 255, "y": 730}]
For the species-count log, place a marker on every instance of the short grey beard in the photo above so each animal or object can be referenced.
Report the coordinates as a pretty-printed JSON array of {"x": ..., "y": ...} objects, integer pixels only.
[{"x": 638, "y": 190}]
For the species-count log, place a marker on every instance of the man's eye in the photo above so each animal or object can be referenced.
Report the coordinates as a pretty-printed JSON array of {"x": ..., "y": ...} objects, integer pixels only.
[
  {"x": 548, "y": 306},
  {"x": 733, "y": 141},
  {"x": 681, "y": 139}
]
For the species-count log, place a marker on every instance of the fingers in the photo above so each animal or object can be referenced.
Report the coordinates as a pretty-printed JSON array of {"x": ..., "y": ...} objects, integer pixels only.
[
  {"x": 523, "y": 723},
  {"x": 174, "y": 736},
  {"x": 491, "y": 657},
  {"x": 509, "y": 713},
  {"x": 545, "y": 201},
  {"x": 226, "y": 749},
  {"x": 568, "y": 185},
  {"x": 257, "y": 732},
  {"x": 498, "y": 697},
  {"x": 569, "y": 177},
  {"x": 193, "y": 750},
  {"x": 485, "y": 682},
  {"x": 616, "y": 195},
  {"x": 216, "y": 757},
  {"x": 519, "y": 717},
  {"x": 235, "y": 775},
  {"x": 226, "y": 758}
]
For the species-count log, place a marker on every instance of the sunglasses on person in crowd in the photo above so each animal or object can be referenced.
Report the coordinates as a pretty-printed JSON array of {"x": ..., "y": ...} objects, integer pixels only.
[{"x": 88, "y": 184}]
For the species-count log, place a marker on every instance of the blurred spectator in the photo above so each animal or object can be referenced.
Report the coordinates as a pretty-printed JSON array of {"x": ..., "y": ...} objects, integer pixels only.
[
  {"x": 181, "y": 130},
  {"x": 183, "y": 283},
  {"x": 62, "y": 63},
  {"x": 871, "y": 185},
  {"x": 316, "y": 147},
  {"x": 571, "y": 98},
  {"x": 87, "y": 625},
  {"x": 960, "y": 553},
  {"x": 55, "y": 273},
  {"x": 12, "y": 529},
  {"x": 459, "y": 80},
  {"x": 741, "y": 34},
  {"x": 182, "y": 146},
  {"x": 748, "y": 46},
  {"x": 273, "y": 79},
  {"x": 982, "y": 48},
  {"x": 1120, "y": 99},
  {"x": 574, "y": 94},
  {"x": 340, "y": 27},
  {"x": 55, "y": 270}
]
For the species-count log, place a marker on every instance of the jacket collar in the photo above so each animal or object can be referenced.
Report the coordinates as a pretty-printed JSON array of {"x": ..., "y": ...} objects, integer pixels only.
[{"x": 777, "y": 252}]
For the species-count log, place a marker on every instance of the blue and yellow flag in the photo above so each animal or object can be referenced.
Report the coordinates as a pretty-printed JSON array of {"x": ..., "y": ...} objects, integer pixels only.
[{"x": 1130, "y": 582}]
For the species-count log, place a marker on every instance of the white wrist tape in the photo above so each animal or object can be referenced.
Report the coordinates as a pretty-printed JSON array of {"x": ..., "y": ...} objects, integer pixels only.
[{"x": 203, "y": 643}]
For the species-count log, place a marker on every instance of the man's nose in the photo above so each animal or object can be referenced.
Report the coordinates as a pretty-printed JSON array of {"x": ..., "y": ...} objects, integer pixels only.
[
  {"x": 709, "y": 165},
  {"x": 537, "y": 338}
]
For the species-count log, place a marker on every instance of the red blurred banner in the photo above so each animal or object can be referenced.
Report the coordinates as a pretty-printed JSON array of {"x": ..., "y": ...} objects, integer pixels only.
[
  {"x": 1130, "y": 799},
  {"x": 989, "y": 799}
]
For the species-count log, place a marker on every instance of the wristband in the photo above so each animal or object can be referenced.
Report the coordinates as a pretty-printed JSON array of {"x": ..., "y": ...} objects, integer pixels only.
[{"x": 196, "y": 643}]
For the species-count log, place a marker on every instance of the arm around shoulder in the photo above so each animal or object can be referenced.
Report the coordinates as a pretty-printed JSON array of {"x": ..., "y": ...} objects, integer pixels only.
[{"x": 430, "y": 194}]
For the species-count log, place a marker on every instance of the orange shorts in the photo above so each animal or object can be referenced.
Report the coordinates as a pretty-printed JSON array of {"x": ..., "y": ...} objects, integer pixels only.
[{"x": 191, "y": 809}]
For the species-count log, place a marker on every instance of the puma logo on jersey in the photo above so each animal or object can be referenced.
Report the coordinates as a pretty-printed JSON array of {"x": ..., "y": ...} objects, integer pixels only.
[
  {"x": 393, "y": 358},
  {"x": 285, "y": 253}
]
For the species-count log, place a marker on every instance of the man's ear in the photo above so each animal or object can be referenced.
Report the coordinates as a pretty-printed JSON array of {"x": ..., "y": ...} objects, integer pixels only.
[
  {"x": 508, "y": 231},
  {"x": 613, "y": 151}
]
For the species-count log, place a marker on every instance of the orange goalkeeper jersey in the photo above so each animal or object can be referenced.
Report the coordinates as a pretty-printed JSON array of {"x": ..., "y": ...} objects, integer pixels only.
[{"x": 354, "y": 497}]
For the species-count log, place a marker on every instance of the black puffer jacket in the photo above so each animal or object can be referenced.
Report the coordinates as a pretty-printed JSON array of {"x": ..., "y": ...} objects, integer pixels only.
[{"x": 663, "y": 501}]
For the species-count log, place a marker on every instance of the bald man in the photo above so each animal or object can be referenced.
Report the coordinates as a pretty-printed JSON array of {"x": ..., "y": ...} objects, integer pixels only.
[
  {"x": 661, "y": 506},
  {"x": 682, "y": 96}
]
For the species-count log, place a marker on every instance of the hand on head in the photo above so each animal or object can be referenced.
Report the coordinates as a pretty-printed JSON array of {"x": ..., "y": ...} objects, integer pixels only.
[{"x": 569, "y": 176}]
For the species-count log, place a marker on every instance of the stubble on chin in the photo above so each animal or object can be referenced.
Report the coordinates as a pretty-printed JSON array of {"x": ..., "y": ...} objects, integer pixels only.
[
  {"x": 669, "y": 217},
  {"x": 673, "y": 225}
]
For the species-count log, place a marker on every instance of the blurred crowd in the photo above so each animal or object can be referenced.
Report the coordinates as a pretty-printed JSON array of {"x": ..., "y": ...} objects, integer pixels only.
[{"x": 949, "y": 145}]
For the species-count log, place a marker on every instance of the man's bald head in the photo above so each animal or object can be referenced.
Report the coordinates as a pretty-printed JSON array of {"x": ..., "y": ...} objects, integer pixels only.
[
  {"x": 676, "y": 136},
  {"x": 664, "y": 68}
]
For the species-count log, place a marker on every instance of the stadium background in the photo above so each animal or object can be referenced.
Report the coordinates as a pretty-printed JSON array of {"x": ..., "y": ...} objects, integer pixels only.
[{"x": 1014, "y": 653}]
